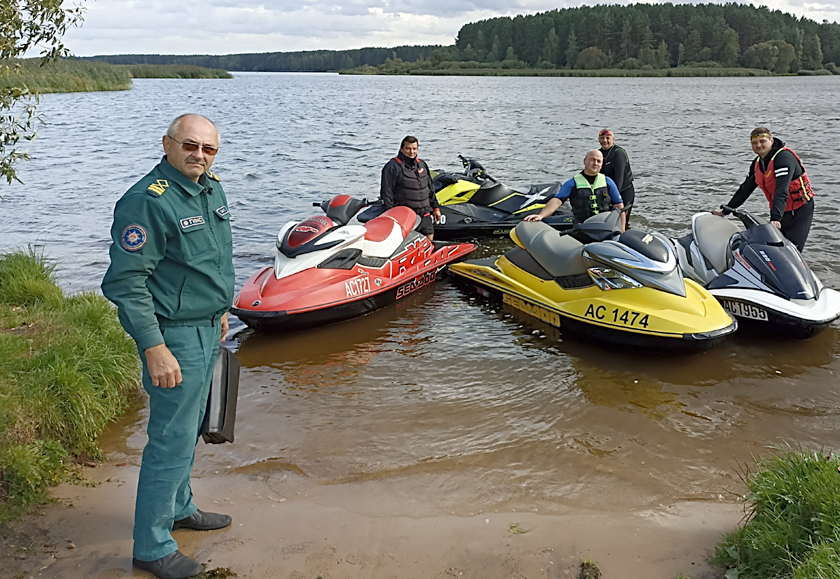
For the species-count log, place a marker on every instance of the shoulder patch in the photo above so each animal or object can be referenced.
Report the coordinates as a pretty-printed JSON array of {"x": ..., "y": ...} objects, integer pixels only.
[
  {"x": 158, "y": 187},
  {"x": 213, "y": 176},
  {"x": 133, "y": 238}
]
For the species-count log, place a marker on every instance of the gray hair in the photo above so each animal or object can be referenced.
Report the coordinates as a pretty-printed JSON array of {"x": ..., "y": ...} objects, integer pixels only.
[{"x": 175, "y": 124}]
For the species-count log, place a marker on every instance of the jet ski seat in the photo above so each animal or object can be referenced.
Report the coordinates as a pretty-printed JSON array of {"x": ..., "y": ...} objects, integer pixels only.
[
  {"x": 385, "y": 233},
  {"x": 493, "y": 194},
  {"x": 560, "y": 255},
  {"x": 712, "y": 234}
]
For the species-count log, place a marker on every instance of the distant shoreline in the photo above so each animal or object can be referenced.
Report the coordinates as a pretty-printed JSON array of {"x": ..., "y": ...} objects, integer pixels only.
[{"x": 679, "y": 72}]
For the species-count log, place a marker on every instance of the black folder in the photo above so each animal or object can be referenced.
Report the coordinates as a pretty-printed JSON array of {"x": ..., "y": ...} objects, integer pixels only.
[{"x": 220, "y": 416}]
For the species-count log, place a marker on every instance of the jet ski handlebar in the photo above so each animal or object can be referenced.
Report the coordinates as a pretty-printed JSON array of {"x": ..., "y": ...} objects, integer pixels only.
[
  {"x": 747, "y": 218},
  {"x": 365, "y": 203},
  {"x": 474, "y": 169}
]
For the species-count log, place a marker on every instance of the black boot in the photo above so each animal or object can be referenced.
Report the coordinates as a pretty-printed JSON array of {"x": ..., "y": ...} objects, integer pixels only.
[
  {"x": 201, "y": 521},
  {"x": 174, "y": 566}
]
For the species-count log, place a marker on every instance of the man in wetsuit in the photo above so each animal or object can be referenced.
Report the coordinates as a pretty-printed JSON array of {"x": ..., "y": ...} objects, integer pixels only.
[
  {"x": 617, "y": 167},
  {"x": 779, "y": 173},
  {"x": 590, "y": 192},
  {"x": 406, "y": 181}
]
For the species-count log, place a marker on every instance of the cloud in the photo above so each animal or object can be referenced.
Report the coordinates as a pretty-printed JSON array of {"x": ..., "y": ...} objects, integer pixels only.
[{"x": 236, "y": 26}]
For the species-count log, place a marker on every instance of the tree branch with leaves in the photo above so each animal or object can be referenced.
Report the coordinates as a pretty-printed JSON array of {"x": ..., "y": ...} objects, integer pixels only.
[{"x": 27, "y": 26}]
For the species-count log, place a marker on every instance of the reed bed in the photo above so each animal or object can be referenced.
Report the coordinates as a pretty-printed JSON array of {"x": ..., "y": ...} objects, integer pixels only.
[
  {"x": 73, "y": 75},
  {"x": 174, "y": 71}
]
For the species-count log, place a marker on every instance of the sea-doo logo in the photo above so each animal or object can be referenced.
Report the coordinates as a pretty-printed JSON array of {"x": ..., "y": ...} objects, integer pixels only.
[
  {"x": 357, "y": 287},
  {"x": 416, "y": 283},
  {"x": 306, "y": 229},
  {"x": 538, "y": 312},
  {"x": 647, "y": 239}
]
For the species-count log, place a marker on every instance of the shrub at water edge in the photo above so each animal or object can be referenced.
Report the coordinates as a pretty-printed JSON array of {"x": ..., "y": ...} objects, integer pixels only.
[{"x": 792, "y": 529}]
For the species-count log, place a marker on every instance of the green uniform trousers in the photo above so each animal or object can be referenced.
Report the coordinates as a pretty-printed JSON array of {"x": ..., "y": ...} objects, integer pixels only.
[{"x": 175, "y": 415}]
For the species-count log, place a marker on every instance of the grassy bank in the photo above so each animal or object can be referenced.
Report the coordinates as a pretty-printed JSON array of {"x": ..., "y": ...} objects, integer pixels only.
[
  {"x": 87, "y": 76},
  {"x": 67, "y": 369},
  {"x": 793, "y": 525}
]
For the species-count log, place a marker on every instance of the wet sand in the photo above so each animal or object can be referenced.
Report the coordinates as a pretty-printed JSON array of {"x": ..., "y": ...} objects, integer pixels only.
[
  {"x": 296, "y": 536},
  {"x": 343, "y": 468}
]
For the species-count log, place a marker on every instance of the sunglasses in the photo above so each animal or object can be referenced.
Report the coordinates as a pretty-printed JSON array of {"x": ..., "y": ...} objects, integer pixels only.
[{"x": 193, "y": 147}]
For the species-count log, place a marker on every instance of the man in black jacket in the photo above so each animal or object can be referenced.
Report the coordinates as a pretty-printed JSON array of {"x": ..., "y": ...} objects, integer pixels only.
[
  {"x": 617, "y": 167},
  {"x": 779, "y": 173},
  {"x": 406, "y": 181}
]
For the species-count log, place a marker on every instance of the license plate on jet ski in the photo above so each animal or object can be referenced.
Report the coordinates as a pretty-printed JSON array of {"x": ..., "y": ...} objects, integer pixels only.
[{"x": 744, "y": 310}]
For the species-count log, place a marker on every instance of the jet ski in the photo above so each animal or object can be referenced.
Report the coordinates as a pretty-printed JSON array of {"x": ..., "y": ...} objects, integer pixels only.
[
  {"x": 757, "y": 275},
  {"x": 620, "y": 289},
  {"x": 474, "y": 204},
  {"x": 326, "y": 271}
]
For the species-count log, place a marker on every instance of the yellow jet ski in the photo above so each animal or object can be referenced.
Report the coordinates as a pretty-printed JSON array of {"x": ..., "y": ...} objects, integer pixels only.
[{"x": 622, "y": 289}]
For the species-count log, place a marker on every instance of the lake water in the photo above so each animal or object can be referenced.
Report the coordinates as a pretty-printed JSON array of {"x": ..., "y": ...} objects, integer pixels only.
[{"x": 466, "y": 407}]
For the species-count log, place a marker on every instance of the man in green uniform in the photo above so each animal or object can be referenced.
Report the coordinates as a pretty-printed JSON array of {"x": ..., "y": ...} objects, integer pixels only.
[{"x": 171, "y": 277}]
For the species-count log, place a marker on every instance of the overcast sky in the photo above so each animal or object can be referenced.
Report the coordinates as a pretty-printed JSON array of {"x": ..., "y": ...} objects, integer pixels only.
[{"x": 235, "y": 26}]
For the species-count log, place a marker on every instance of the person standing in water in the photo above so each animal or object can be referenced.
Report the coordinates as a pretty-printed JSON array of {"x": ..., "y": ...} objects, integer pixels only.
[
  {"x": 406, "y": 181},
  {"x": 779, "y": 173},
  {"x": 617, "y": 167}
]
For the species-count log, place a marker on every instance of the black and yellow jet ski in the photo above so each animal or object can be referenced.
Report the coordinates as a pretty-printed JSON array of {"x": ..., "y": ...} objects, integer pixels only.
[
  {"x": 621, "y": 289},
  {"x": 474, "y": 204}
]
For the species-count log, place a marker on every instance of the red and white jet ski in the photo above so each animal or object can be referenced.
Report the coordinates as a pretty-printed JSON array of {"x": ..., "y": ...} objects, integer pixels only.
[{"x": 326, "y": 271}]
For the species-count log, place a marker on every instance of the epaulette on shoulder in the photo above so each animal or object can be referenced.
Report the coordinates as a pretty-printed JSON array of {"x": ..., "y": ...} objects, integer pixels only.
[
  {"x": 213, "y": 176},
  {"x": 158, "y": 188}
]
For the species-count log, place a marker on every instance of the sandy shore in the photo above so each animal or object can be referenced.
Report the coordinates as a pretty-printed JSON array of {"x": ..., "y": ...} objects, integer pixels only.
[{"x": 87, "y": 534}]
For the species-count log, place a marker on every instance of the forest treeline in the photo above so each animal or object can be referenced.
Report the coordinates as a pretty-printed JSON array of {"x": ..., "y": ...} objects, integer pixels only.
[
  {"x": 655, "y": 36},
  {"x": 636, "y": 36},
  {"x": 303, "y": 61}
]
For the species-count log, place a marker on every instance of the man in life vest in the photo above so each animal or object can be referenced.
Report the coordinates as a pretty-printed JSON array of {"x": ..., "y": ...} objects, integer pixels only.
[
  {"x": 778, "y": 171},
  {"x": 406, "y": 181},
  {"x": 590, "y": 192}
]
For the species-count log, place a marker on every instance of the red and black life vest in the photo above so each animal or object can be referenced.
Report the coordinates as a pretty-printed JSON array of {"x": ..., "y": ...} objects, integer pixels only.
[
  {"x": 414, "y": 188},
  {"x": 799, "y": 192}
]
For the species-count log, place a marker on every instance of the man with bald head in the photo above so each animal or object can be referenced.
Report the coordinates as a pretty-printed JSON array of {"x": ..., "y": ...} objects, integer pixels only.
[
  {"x": 590, "y": 192},
  {"x": 171, "y": 278}
]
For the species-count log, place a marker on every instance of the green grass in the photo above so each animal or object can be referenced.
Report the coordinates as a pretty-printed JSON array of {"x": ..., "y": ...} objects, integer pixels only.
[
  {"x": 793, "y": 525},
  {"x": 72, "y": 75},
  {"x": 67, "y": 369}
]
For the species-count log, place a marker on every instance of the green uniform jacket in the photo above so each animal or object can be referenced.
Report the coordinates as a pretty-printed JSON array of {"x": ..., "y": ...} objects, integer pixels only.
[{"x": 172, "y": 254}]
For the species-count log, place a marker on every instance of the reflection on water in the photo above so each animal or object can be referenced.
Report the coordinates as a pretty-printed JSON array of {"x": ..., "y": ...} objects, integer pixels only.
[
  {"x": 458, "y": 403},
  {"x": 514, "y": 417}
]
